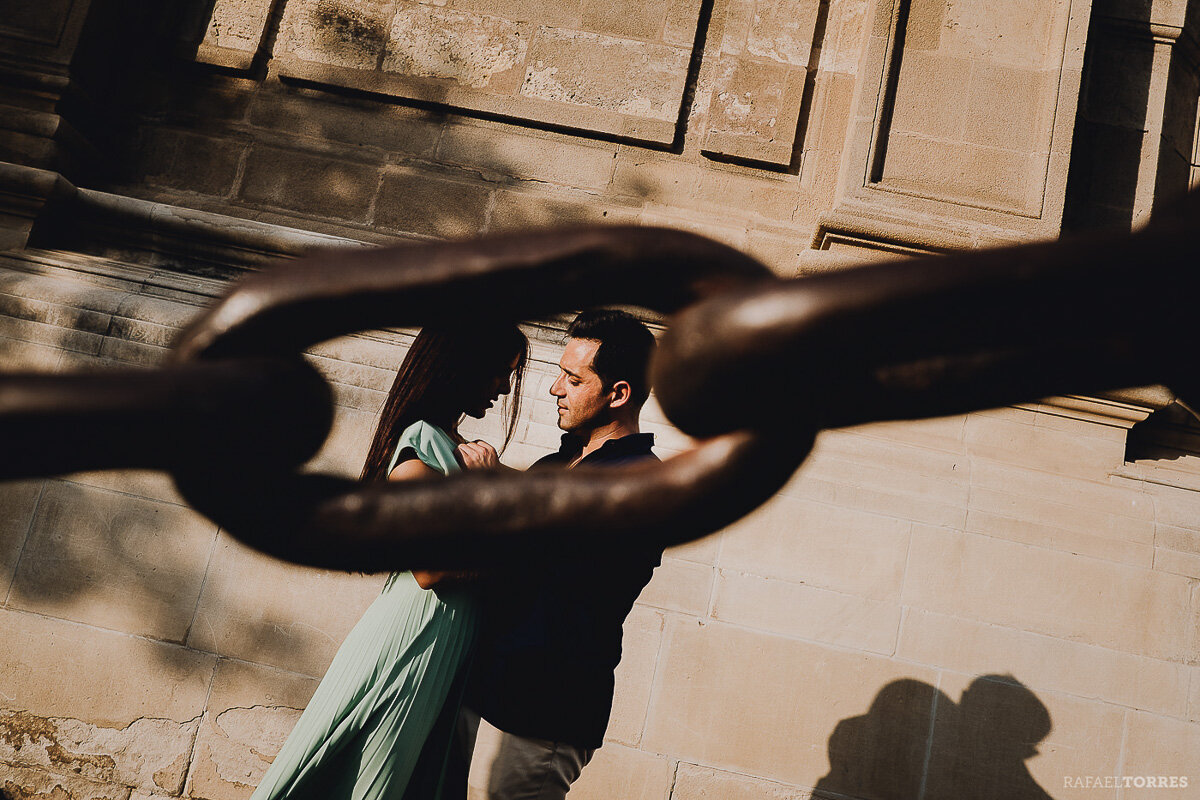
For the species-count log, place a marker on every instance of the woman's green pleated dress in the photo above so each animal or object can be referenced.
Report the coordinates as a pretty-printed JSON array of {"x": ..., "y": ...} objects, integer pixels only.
[{"x": 363, "y": 732}]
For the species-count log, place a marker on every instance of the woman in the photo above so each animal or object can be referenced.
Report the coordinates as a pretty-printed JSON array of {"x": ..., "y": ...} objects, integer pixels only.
[{"x": 379, "y": 725}]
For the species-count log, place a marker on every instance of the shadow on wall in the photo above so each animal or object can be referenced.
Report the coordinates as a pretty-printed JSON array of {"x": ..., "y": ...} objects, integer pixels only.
[{"x": 915, "y": 742}]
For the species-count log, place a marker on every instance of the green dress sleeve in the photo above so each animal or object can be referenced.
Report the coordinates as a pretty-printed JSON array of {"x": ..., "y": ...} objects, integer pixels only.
[{"x": 433, "y": 447}]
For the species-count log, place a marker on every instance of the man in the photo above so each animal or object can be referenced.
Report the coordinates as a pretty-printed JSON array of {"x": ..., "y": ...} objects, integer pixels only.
[{"x": 543, "y": 674}]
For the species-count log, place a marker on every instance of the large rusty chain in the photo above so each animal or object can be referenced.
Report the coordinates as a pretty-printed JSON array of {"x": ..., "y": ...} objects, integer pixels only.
[{"x": 751, "y": 364}]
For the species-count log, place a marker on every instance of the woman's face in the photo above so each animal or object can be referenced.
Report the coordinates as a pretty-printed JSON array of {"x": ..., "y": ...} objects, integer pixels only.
[{"x": 494, "y": 386}]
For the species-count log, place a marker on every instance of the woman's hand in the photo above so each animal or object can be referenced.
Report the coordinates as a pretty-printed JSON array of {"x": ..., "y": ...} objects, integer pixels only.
[{"x": 478, "y": 455}]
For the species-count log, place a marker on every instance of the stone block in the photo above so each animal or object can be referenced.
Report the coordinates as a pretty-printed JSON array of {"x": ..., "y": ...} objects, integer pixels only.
[
  {"x": 299, "y": 112},
  {"x": 845, "y": 39},
  {"x": 1023, "y": 36},
  {"x": 558, "y": 13},
  {"x": 259, "y": 609},
  {"x": 781, "y": 253},
  {"x": 679, "y": 27},
  {"x": 194, "y": 162},
  {"x": 147, "y": 484},
  {"x": 755, "y": 110},
  {"x": 54, "y": 669},
  {"x": 520, "y": 211},
  {"x": 702, "y": 551},
  {"x": 18, "y": 502},
  {"x": 250, "y": 712},
  {"x": 695, "y": 782},
  {"x": 1023, "y": 443},
  {"x": 655, "y": 178},
  {"x": 113, "y": 560},
  {"x": 21, "y": 356},
  {"x": 1108, "y": 543},
  {"x": 624, "y": 772},
  {"x": 990, "y": 177},
  {"x": 554, "y": 160},
  {"x": 1187, "y": 564},
  {"x": 1157, "y": 746},
  {"x": 1044, "y": 662},
  {"x": 628, "y": 18},
  {"x": 51, "y": 336},
  {"x": 151, "y": 754},
  {"x": 471, "y": 50},
  {"x": 49, "y": 312},
  {"x": 308, "y": 183},
  {"x": 597, "y": 71},
  {"x": 24, "y": 783},
  {"x": 748, "y": 195},
  {"x": 1000, "y": 740},
  {"x": 768, "y": 706},
  {"x": 421, "y": 203},
  {"x": 346, "y": 33},
  {"x": 1010, "y": 108},
  {"x": 806, "y": 612},
  {"x": 238, "y": 26},
  {"x": 677, "y": 585},
  {"x": 1123, "y": 608},
  {"x": 1177, "y": 512},
  {"x": 825, "y": 546},
  {"x": 931, "y": 94},
  {"x": 635, "y": 675}
]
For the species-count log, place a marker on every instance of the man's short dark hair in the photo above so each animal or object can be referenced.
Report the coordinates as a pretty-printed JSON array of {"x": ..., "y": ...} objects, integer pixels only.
[{"x": 625, "y": 348}]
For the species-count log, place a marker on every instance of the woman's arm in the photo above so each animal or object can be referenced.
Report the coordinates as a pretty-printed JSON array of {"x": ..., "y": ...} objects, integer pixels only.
[{"x": 414, "y": 469}]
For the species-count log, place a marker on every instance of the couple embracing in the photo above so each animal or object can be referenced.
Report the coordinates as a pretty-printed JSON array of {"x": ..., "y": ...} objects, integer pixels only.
[{"x": 527, "y": 654}]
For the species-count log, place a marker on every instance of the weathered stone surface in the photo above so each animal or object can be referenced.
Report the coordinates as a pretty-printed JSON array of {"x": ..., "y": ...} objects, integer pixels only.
[
  {"x": 151, "y": 754},
  {"x": 113, "y": 560},
  {"x": 719, "y": 704},
  {"x": 237, "y": 24},
  {"x": 642, "y": 19},
  {"x": 1061, "y": 666},
  {"x": 184, "y": 160},
  {"x": 518, "y": 211},
  {"x": 414, "y": 202},
  {"x": 472, "y": 50},
  {"x": 1124, "y": 608},
  {"x": 250, "y": 713},
  {"x": 554, "y": 159},
  {"x": 694, "y": 782},
  {"x": 24, "y": 783},
  {"x": 635, "y": 675},
  {"x": 589, "y": 69},
  {"x": 346, "y": 33},
  {"x": 775, "y": 605},
  {"x": 262, "y": 610},
  {"x": 18, "y": 501},
  {"x": 997, "y": 738},
  {"x": 55, "y": 669},
  {"x": 309, "y": 182}
]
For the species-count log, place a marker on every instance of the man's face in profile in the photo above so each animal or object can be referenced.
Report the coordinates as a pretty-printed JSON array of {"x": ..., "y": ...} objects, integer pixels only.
[{"x": 582, "y": 395}]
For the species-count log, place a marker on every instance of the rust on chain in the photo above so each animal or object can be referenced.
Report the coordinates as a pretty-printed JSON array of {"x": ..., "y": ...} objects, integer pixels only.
[
  {"x": 756, "y": 363},
  {"x": 272, "y": 413},
  {"x": 473, "y": 518},
  {"x": 940, "y": 335}
]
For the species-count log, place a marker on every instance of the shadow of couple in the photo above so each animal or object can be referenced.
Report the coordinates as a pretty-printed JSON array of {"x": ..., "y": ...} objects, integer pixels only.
[{"x": 915, "y": 742}]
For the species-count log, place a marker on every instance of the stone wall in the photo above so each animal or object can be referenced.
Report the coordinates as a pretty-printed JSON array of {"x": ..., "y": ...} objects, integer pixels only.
[{"x": 967, "y": 607}]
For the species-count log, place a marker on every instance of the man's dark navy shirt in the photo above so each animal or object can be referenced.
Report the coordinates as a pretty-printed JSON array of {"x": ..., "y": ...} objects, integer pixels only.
[{"x": 551, "y": 638}]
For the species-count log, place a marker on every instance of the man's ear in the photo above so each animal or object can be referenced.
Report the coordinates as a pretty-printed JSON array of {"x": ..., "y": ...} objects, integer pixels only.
[{"x": 620, "y": 394}]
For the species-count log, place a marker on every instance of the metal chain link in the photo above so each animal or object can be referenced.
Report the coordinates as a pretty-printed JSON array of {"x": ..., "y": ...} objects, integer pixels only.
[{"x": 752, "y": 364}]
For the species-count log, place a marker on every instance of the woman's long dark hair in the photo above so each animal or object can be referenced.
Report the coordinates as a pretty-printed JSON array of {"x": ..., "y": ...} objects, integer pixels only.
[{"x": 445, "y": 371}]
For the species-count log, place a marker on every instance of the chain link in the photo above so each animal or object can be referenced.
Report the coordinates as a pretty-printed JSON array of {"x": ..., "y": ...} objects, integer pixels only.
[{"x": 752, "y": 364}]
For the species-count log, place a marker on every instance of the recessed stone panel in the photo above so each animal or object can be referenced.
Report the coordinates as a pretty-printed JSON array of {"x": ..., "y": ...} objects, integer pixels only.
[
  {"x": 759, "y": 81},
  {"x": 618, "y": 68}
]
